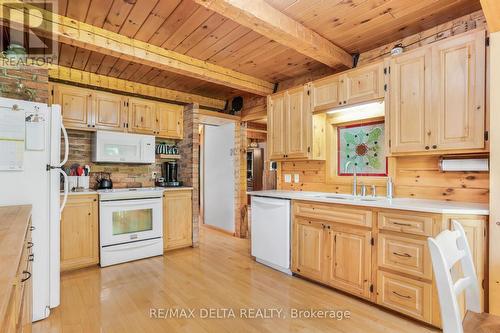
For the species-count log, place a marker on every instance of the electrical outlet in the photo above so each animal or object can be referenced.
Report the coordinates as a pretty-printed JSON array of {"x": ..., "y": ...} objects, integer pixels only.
[
  {"x": 288, "y": 178},
  {"x": 154, "y": 174},
  {"x": 296, "y": 178}
]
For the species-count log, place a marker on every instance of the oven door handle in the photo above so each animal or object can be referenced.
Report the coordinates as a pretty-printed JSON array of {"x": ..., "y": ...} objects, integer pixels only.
[
  {"x": 131, "y": 202},
  {"x": 133, "y": 245}
]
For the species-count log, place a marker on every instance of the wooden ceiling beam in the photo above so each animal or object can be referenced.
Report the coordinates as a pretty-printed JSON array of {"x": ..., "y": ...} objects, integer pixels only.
[
  {"x": 491, "y": 10},
  {"x": 264, "y": 19},
  {"x": 79, "y": 77},
  {"x": 80, "y": 34}
]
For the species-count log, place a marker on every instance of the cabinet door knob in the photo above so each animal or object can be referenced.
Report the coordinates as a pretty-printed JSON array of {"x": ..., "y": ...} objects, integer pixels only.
[
  {"x": 434, "y": 146},
  {"x": 32, "y": 228},
  {"x": 26, "y": 278},
  {"x": 427, "y": 147}
]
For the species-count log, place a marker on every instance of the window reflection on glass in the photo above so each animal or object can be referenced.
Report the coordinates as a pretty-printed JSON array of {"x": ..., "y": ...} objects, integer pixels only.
[
  {"x": 129, "y": 221},
  {"x": 120, "y": 150}
]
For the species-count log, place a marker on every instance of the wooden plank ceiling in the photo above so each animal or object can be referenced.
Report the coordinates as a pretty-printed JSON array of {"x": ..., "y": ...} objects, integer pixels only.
[
  {"x": 362, "y": 25},
  {"x": 188, "y": 28}
]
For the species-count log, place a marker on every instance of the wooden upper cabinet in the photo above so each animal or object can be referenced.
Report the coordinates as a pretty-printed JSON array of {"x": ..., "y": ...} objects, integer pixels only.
[
  {"x": 308, "y": 248},
  {"x": 169, "y": 119},
  {"x": 458, "y": 78},
  {"x": 109, "y": 111},
  {"x": 276, "y": 126},
  {"x": 76, "y": 106},
  {"x": 142, "y": 116},
  {"x": 363, "y": 84},
  {"x": 298, "y": 123},
  {"x": 325, "y": 93},
  {"x": 355, "y": 86},
  {"x": 349, "y": 259},
  {"x": 410, "y": 101},
  {"x": 437, "y": 96}
]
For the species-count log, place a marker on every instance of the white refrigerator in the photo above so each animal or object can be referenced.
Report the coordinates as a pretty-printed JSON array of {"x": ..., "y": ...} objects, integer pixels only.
[{"x": 35, "y": 179}]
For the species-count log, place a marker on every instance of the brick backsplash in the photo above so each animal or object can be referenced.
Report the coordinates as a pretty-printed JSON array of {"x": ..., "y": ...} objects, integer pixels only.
[
  {"x": 34, "y": 78},
  {"x": 123, "y": 175}
]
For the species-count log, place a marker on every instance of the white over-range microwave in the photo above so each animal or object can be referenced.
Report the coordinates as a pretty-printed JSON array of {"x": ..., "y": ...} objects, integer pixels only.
[{"x": 114, "y": 147}]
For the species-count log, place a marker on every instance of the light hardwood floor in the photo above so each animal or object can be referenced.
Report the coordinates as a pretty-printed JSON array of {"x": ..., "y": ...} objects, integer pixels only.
[{"x": 218, "y": 274}]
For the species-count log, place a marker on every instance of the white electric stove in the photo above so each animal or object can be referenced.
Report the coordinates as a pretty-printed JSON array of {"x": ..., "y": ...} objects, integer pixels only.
[{"x": 131, "y": 224}]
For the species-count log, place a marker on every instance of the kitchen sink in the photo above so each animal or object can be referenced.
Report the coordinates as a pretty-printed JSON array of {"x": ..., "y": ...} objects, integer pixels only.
[
  {"x": 335, "y": 197},
  {"x": 369, "y": 199}
]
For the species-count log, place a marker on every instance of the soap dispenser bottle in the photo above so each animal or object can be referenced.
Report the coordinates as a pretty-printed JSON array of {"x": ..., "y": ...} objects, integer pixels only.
[{"x": 389, "y": 188}]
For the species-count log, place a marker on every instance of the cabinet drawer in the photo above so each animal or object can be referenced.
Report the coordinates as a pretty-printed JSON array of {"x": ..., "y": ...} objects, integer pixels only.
[
  {"x": 406, "y": 222},
  {"x": 408, "y": 296},
  {"x": 404, "y": 254},
  {"x": 333, "y": 213}
]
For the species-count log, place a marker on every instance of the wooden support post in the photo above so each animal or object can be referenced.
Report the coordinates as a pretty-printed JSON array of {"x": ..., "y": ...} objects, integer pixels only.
[{"x": 494, "y": 229}]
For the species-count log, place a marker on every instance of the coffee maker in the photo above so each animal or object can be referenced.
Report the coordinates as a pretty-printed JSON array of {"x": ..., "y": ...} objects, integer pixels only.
[{"x": 170, "y": 172}]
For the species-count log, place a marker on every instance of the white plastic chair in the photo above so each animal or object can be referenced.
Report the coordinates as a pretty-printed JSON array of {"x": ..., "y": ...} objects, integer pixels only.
[{"x": 448, "y": 248}]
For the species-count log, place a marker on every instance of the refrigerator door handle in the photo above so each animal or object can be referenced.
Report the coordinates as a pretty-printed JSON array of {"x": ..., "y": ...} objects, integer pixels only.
[
  {"x": 66, "y": 190},
  {"x": 66, "y": 145}
]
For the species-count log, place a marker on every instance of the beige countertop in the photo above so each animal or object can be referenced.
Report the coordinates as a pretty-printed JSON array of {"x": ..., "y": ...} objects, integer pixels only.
[
  {"x": 166, "y": 189},
  {"x": 14, "y": 222},
  {"x": 419, "y": 205}
]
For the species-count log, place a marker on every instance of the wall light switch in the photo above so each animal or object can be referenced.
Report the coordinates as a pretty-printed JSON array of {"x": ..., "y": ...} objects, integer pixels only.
[
  {"x": 288, "y": 178},
  {"x": 296, "y": 178},
  {"x": 153, "y": 175}
]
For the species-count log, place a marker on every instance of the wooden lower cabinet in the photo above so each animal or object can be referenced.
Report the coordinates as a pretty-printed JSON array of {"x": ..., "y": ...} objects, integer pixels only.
[
  {"x": 409, "y": 296},
  {"x": 348, "y": 259},
  {"x": 308, "y": 257},
  {"x": 177, "y": 219},
  {"x": 333, "y": 253},
  {"x": 19, "y": 308},
  {"x": 80, "y": 232},
  {"x": 385, "y": 259}
]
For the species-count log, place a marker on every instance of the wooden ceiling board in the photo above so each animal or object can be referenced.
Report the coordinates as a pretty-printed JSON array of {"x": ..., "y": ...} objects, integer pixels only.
[
  {"x": 157, "y": 17},
  {"x": 187, "y": 28},
  {"x": 129, "y": 70},
  {"x": 400, "y": 23},
  {"x": 117, "y": 15},
  {"x": 219, "y": 33},
  {"x": 233, "y": 48},
  {"x": 181, "y": 13},
  {"x": 137, "y": 16},
  {"x": 81, "y": 58},
  {"x": 246, "y": 52},
  {"x": 98, "y": 11},
  {"x": 118, "y": 68},
  {"x": 94, "y": 62},
  {"x": 77, "y": 9},
  {"x": 62, "y": 5},
  {"x": 151, "y": 75},
  {"x": 206, "y": 28},
  {"x": 361, "y": 25},
  {"x": 232, "y": 37},
  {"x": 106, "y": 65},
  {"x": 66, "y": 55}
]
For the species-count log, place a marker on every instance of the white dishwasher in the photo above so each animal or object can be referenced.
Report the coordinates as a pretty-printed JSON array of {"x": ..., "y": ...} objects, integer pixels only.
[{"x": 271, "y": 232}]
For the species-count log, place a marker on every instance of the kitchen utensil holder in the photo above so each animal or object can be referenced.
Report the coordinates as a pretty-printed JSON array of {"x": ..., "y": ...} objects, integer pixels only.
[
  {"x": 84, "y": 182},
  {"x": 72, "y": 183}
]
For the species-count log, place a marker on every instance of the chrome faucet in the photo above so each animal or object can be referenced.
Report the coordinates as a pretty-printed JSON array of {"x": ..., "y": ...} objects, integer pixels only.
[{"x": 355, "y": 177}]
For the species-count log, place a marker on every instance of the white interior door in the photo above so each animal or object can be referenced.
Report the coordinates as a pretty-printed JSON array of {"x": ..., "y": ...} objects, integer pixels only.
[{"x": 218, "y": 178}]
